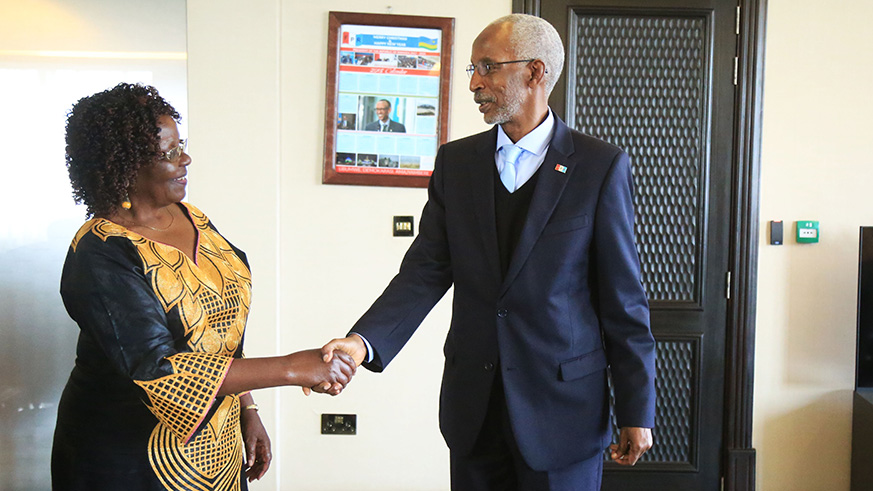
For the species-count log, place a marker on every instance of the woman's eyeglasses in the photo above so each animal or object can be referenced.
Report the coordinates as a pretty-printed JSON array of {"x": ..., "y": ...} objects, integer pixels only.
[{"x": 174, "y": 154}]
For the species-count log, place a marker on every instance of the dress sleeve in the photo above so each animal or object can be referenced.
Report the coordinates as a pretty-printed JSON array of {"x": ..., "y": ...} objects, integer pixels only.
[{"x": 106, "y": 291}]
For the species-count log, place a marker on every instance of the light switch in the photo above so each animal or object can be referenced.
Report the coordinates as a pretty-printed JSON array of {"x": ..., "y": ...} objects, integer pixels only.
[{"x": 403, "y": 226}]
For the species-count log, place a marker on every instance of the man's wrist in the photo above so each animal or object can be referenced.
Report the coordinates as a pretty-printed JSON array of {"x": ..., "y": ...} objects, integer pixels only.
[{"x": 368, "y": 356}]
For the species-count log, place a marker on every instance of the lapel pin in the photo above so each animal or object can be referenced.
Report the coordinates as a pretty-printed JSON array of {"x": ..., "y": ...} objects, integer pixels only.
[{"x": 560, "y": 168}]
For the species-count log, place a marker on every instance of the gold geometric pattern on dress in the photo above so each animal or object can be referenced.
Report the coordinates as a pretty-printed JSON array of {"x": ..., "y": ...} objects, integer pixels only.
[
  {"x": 180, "y": 400},
  {"x": 212, "y": 461},
  {"x": 212, "y": 297}
]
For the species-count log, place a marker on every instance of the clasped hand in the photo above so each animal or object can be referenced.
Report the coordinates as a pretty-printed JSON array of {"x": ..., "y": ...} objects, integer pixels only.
[
  {"x": 326, "y": 376},
  {"x": 351, "y": 350}
]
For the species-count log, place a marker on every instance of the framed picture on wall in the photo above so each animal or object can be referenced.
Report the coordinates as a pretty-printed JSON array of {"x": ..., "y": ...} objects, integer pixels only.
[{"x": 387, "y": 100}]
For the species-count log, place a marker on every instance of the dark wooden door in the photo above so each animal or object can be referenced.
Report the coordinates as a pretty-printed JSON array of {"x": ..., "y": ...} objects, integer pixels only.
[{"x": 657, "y": 78}]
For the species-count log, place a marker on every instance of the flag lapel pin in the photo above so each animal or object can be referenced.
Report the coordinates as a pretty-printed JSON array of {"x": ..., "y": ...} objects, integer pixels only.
[{"x": 560, "y": 168}]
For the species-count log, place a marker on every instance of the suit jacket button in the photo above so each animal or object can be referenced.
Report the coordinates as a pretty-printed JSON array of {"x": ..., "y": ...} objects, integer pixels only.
[
  {"x": 502, "y": 313},
  {"x": 489, "y": 366}
]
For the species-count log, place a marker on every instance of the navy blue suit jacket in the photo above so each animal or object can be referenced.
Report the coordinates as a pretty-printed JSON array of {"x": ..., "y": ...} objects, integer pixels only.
[{"x": 571, "y": 303}]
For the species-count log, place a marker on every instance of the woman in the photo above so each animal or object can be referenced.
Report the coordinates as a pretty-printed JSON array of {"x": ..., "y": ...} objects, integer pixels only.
[{"x": 159, "y": 397}]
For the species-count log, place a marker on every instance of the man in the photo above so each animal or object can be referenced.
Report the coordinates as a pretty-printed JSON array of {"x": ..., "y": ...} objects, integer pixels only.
[
  {"x": 538, "y": 242},
  {"x": 385, "y": 123},
  {"x": 346, "y": 122}
]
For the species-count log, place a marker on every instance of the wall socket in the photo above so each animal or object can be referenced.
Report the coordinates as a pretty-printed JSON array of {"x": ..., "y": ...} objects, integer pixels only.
[{"x": 339, "y": 424}]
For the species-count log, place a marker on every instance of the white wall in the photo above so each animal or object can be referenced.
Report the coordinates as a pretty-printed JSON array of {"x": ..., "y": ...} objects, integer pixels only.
[
  {"x": 817, "y": 164},
  {"x": 320, "y": 253}
]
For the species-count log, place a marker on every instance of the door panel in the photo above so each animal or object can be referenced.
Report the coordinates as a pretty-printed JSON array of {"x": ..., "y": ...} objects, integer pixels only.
[{"x": 656, "y": 78}]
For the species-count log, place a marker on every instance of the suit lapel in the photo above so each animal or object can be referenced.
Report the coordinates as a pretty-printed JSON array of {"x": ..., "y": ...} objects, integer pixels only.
[
  {"x": 549, "y": 187},
  {"x": 481, "y": 188}
]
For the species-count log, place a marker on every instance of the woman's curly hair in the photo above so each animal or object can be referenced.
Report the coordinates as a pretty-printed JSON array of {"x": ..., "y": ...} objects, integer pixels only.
[{"x": 110, "y": 135}]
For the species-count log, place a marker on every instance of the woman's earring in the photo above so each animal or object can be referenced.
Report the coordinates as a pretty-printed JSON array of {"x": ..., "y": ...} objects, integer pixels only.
[{"x": 126, "y": 203}]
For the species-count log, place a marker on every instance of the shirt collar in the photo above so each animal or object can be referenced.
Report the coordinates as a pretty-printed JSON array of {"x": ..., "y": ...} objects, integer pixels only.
[{"x": 534, "y": 142}]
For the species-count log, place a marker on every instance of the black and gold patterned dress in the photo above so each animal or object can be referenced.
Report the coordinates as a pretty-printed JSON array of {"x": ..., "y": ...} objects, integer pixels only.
[{"x": 158, "y": 332}]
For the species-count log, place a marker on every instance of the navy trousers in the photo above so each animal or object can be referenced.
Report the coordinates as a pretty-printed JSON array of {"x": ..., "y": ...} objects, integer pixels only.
[{"x": 495, "y": 464}]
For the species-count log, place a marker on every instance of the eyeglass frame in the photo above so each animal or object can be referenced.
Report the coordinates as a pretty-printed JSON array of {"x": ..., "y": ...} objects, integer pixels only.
[
  {"x": 168, "y": 155},
  {"x": 489, "y": 65}
]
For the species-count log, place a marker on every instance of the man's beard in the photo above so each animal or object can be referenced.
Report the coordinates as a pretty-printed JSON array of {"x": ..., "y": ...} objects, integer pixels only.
[{"x": 511, "y": 106}]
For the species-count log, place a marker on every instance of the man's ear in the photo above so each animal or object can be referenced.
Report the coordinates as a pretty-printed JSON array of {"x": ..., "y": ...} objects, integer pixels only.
[{"x": 537, "y": 72}]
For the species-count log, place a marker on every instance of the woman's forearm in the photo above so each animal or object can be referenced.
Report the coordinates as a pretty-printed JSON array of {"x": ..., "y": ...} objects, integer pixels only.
[
  {"x": 247, "y": 374},
  {"x": 304, "y": 368}
]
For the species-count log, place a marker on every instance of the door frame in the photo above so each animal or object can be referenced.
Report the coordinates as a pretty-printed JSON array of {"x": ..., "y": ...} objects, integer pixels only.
[{"x": 738, "y": 453}]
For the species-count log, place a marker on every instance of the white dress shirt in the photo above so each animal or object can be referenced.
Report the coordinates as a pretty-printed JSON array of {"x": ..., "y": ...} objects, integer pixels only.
[{"x": 535, "y": 145}]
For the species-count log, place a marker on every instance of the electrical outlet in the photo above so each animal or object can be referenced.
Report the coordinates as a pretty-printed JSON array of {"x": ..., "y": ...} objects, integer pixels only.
[{"x": 339, "y": 424}]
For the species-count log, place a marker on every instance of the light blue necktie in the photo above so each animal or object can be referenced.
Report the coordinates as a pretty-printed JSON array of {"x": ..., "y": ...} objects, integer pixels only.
[{"x": 510, "y": 157}]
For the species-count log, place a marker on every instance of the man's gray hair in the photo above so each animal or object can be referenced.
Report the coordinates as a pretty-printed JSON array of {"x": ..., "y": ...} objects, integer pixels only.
[{"x": 534, "y": 38}]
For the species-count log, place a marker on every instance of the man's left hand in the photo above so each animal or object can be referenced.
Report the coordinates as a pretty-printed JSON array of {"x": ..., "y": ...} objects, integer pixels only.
[{"x": 632, "y": 444}]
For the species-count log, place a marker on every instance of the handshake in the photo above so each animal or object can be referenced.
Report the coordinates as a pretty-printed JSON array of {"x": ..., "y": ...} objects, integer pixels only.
[{"x": 330, "y": 369}]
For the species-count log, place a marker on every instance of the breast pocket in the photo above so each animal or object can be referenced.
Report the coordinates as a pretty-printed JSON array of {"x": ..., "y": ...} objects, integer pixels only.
[{"x": 568, "y": 225}]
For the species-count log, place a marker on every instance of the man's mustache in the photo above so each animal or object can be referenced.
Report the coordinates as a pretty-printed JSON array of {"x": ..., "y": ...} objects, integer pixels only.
[{"x": 481, "y": 99}]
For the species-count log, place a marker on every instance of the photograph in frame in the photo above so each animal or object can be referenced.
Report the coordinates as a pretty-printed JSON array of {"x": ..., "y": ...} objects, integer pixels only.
[{"x": 387, "y": 99}]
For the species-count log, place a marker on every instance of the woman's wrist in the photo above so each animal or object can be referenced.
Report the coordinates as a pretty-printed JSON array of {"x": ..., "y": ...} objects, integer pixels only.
[
  {"x": 291, "y": 369},
  {"x": 247, "y": 414}
]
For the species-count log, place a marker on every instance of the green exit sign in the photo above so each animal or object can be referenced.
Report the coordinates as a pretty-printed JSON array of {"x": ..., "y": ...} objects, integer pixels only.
[{"x": 807, "y": 232}]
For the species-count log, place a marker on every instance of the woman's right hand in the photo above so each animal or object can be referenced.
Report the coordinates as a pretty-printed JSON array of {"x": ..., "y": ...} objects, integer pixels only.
[{"x": 309, "y": 370}]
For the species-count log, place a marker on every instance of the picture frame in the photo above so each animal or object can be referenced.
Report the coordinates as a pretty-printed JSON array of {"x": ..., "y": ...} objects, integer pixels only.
[{"x": 387, "y": 97}]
